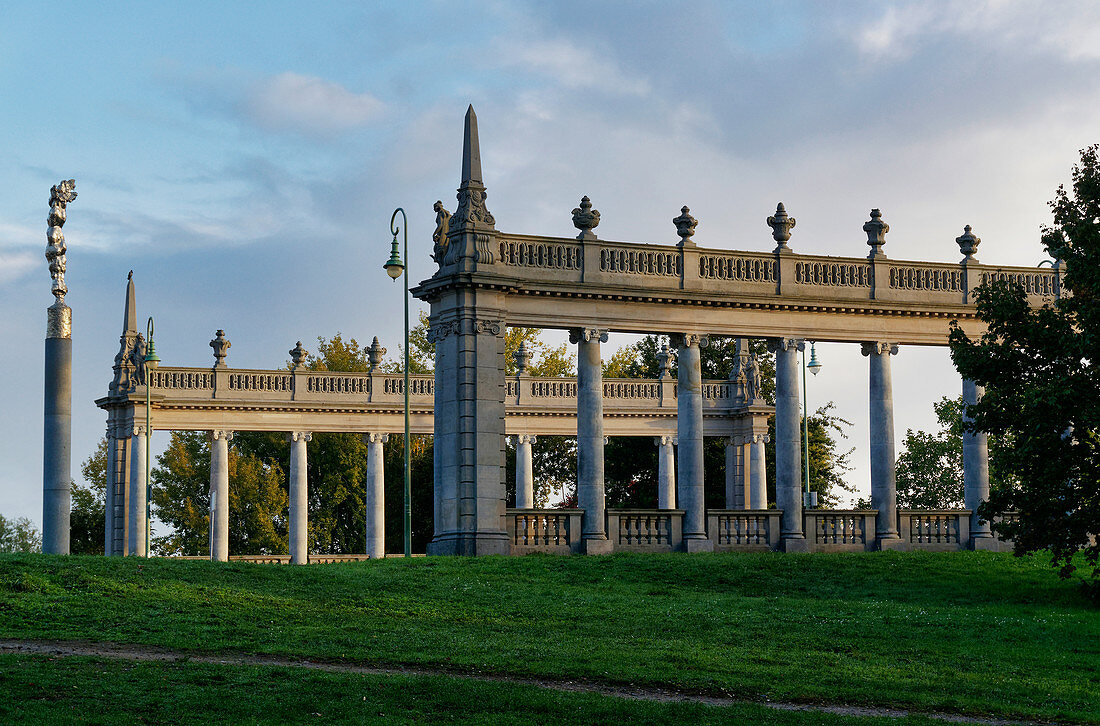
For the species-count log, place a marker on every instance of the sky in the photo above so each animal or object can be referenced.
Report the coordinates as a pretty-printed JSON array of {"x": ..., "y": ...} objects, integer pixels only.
[{"x": 244, "y": 160}]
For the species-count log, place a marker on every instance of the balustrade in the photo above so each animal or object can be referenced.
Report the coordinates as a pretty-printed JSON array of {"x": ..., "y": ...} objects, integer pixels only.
[{"x": 840, "y": 530}]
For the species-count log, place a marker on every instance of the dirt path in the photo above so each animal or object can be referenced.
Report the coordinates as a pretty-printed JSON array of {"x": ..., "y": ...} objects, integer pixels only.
[{"x": 144, "y": 653}]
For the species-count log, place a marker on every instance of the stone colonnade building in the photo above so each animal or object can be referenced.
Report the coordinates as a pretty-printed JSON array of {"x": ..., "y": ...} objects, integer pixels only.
[{"x": 488, "y": 280}]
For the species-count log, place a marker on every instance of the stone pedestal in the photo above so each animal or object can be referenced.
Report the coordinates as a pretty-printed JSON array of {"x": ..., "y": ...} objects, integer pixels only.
[
  {"x": 376, "y": 496},
  {"x": 590, "y": 439},
  {"x": 525, "y": 472},
  {"x": 666, "y": 472},
  {"x": 883, "y": 484},
  {"x": 137, "y": 535},
  {"x": 689, "y": 438},
  {"x": 299, "y": 498},
  {"x": 219, "y": 495},
  {"x": 976, "y": 474},
  {"x": 788, "y": 443}
]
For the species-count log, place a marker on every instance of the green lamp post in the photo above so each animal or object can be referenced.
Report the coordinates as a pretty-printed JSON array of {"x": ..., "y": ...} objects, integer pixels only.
[
  {"x": 814, "y": 366},
  {"x": 152, "y": 360},
  {"x": 396, "y": 267}
]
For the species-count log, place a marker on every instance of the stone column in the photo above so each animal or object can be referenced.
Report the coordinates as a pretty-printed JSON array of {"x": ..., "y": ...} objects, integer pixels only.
[
  {"x": 666, "y": 472},
  {"x": 758, "y": 481},
  {"x": 138, "y": 491},
  {"x": 219, "y": 495},
  {"x": 689, "y": 436},
  {"x": 884, "y": 493},
  {"x": 376, "y": 495},
  {"x": 590, "y": 439},
  {"x": 525, "y": 472},
  {"x": 299, "y": 498},
  {"x": 109, "y": 493},
  {"x": 976, "y": 473},
  {"x": 788, "y": 443},
  {"x": 735, "y": 465}
]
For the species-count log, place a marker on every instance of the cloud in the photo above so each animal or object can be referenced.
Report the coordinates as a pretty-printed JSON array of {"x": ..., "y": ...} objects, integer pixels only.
[
  {"x": 13, "y": 265},
  {"x": 571, "y": 66},
  {"x": 308, "y": 105}
]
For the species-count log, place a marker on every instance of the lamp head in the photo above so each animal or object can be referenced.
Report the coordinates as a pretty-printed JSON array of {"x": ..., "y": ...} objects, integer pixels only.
[
  {"x": 394, "y": 266},
  {"x": 814, "y": 365}
]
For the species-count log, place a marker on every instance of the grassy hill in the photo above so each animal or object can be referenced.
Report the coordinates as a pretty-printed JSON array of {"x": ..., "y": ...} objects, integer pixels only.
[{"x": 970, "y": 633}]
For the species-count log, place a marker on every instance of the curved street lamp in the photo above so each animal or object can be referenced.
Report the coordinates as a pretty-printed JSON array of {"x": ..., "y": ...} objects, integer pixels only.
[
  {"x": 395, "y": 268},
  {"x": 815, "y": 367},
  {"x": 151, "y": 362}
]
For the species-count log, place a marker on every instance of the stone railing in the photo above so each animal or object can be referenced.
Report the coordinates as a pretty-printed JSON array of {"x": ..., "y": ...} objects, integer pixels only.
[
  {"x": 556, "y": 531},
  {"x": 645, "y": 530},
  {"x": 746, "y": 267},
  {"x": 743, "y": 529},
  {"x": 1034, "y": 282},
  {"x": 828, "y": 272},
  {"x": 831, "y": 529},
  {"x": 647, "y": 260},
  {"x": 541, "y": 254},
  {"x": 939, "y": 529},
  {"x": 927, "y": 277}
]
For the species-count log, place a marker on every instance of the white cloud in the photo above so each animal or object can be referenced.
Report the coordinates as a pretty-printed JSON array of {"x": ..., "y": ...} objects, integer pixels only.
[
  {"x": 308, "y": 105},
  {"x": 571, "y": 66},
  {"x": 13, "y": 265}
]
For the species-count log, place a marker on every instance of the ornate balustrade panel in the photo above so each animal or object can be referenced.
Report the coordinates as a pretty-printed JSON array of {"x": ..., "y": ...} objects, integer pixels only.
[
  {"x": 738, "y": 267},
  {"x": 928, "y": 277},
  {"x": 631, "y": 389},
  {"x": 743, "y": 529},
  {"x": 418, "y": 385},
  {"x": 938, "y": 529},
  {"x": 646, "y": 260},
  {"x": 1039, "y": 283},
  {"x": 840, "y": 530},
  {"x": 259, "y": 381},
  {"x": 831, "y": 273},
  {"x": 181, "y": 379},
  {"x": 355, "y": 384},
  {"x": 544, "y": 530},
  {"x": 645, "y": 530},
  {"x": 541, "y": 254}
]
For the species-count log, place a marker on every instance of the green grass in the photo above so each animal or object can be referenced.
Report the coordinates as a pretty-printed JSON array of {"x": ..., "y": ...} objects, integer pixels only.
[
  {"x": 968, "y": 632},
  {"x": 71, "y": 690}
]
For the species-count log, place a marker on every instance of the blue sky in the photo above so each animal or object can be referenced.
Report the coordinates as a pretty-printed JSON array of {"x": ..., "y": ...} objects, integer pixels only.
[{"x": 244, "y": 159}]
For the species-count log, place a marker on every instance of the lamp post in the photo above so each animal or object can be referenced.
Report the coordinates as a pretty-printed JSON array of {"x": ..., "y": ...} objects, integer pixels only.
[
  {"x": 814, "y": 366},
  {"x": 395, "y": 267},
  {"x": 151, "y": 361}
]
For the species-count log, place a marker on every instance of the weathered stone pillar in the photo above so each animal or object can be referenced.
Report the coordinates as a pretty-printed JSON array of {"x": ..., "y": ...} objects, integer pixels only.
[
  {"x": 525, "y": 472},
  {"x": 689, "y": 436},
  {"x": 138, "y": 492},
  {"x": 666, "y": 472},
  {"x": 219, "y": 495},
  {"x": 884, "y": 492},
  {"x": 299, "y": 498},
  {"x": 590, "y": 439},
  {"x": 788, "y": 443},
  {"x": 735, "y": 466},
  {"x": 376, "y": 495},
  {"x": 758, "y": 481},
  {"x": 976, "y": 473},
  {"x": 109, "y": 493}
]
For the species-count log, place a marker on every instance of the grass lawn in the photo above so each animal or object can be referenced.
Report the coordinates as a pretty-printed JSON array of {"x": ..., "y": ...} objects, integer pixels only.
[{"x": 968, "y": 632}]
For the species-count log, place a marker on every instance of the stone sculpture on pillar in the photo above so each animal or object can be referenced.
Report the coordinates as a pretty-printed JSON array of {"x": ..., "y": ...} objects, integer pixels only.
[
  {"x": 876, "y": 230},
  {"x": 298, "y": 356},
  {"x": 439, "y": 236},
  {"x": 57, "y": 408},
  {"x": 221, "y": 346},
  {"x": 685, "y": 227},
  {"x": 375, "y": 353},
  {"x": 781, "y": 226},
  {"x": 586, "y": 219}
]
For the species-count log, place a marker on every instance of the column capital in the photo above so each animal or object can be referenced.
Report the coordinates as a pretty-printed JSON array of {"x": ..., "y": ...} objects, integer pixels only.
[
  {"x": 588, "y": 335},
  {"x": 375, "y": 438},
  {"x": 686, "y": 340},
  {"x": 138, "y": 430},
  {"x": 761, "y": 438},
  {"x": 777, "y": 344},
  {"x": 526, "y": 438},
  {"x": 300, "y": 436},
  {"x": 440, "y": 330},
  {"x": 221, "y": 434},
  {"x": 879, "y": 348},
  {"x": 664, "y": 440},
  {"x": 491, "y": 327}
]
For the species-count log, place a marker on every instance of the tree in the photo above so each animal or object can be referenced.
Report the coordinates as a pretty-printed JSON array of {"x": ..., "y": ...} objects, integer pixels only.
[
  {"x": 19, "y": 535},
  {"x": 1042, "y": 386},
  {"x": 86, "y": 518}
]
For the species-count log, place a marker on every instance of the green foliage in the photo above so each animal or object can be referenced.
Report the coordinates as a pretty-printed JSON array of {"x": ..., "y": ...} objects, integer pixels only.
[
  {"x": 19, "y": 535},
  {"x": 1042, "y": 385},
  {"x": 88, "y": 510},
  {"x": 828, "y": 465}
]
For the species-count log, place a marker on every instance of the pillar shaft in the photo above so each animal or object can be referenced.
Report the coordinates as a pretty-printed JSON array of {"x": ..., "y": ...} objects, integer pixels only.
[
  {"x": 758, "y": 482},
  {"x": 735, "y": 468},
  {"x": 881, "y": 397},
  {"x": 975, "y": 470},
  {"x": 109, "y": 494},
  {"x": 57, "y": 444},
  {"x": 299, "y": 498},
  {"x": 137, "y": 534},
  {"x": 219, "y": 495},
  {"x": 525, "y": 472},
  {"x": 376, "y": 496},
  {"x": 666, "y": 472},
  {"x": 590, "y": 439},
  {"x": 788, "y": 442},
  {"x": 689, "y": 437}
]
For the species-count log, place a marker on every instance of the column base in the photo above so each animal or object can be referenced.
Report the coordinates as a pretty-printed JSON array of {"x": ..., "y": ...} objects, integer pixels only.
[
  {"x": 886, "y": 543},
  {"x": 596, "y": 547},
  {"x": 988, "y": 543},
  {"x": 469, "y": 545},
  {"x": 698, "y": 545},
  {"x": 794, "y": 544}
]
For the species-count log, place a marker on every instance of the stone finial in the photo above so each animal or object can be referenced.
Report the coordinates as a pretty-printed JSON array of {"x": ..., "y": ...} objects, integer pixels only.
[
  {"x": 298, "y": 356},
  {"x": 522, "y": 357},
  {"x": 876, "y": 231},
  {"x": 221, "y": 348},
  {"x": 781, "y": 226},
  {"x": 375, "y": 353},
  {"x": 586, "y": 219},
  {"x": 685, "y": 227},
  {"x": 664, "y": 361},
  {"x": 968, "y": 244}
]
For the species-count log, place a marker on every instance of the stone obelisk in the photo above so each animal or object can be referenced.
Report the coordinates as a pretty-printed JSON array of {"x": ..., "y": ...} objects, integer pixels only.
[{"x": 57, "y": 443}]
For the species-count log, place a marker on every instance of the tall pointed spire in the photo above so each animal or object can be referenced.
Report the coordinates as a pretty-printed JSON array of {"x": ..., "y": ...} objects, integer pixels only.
[
  {"x": 129, "y": 317},
  {"x": 125, "y": 366},
  {"x": 471, "y": 149}
]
